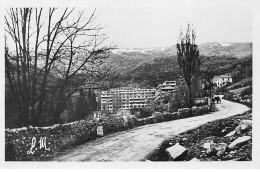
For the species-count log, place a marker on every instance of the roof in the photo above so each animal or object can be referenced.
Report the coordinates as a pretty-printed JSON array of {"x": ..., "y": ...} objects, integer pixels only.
[{"x": 222, "y": 76}]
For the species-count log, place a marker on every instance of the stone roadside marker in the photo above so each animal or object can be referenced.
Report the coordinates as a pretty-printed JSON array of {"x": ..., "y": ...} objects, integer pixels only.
[
  {"x": 100, "y": 131},
  {"x": 175, "y": 151}
]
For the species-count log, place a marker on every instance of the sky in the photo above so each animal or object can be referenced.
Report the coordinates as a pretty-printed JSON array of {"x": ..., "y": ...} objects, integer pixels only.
[
  {"x": 155, "y": 26},
  {"x": 154, "y": 23}
]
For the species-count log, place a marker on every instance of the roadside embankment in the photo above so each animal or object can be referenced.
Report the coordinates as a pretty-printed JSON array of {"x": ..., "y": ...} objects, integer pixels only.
[{"x": 40, "y": 143}]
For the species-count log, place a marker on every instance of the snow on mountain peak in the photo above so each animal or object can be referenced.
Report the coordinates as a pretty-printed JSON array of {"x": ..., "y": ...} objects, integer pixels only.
[
  {"x": 224, "y": 44},
  {"x": 140, "y": 50}
]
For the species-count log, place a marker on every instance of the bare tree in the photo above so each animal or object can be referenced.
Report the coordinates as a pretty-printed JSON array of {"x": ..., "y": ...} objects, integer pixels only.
[
  {"x": 55, "y": 55},
  {"x": 188, "y": 59}
]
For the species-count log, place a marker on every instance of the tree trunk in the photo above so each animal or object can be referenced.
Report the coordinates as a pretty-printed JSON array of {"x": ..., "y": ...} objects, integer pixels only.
[
  {"x": 190, "y": 103},
  {"x": 210, "y": 95}
]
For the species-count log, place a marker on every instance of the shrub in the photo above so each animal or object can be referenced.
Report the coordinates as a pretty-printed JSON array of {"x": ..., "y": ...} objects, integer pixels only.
[
  {"x": 132, "y": 121},
  {"x": 141, "y": 112},
  {"x": 195, "y": 111},
  {"x": 158, "y": 116},
  {"x": 184, "y": 113},
  {"x": 247, "y": 91},
  {"x": 244, "y": 98},
  {"x": 167, "y": 116},
  {"x": 229, "y": 96}
]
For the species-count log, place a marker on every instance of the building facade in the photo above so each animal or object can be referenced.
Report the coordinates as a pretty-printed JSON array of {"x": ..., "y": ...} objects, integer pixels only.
[
  {"x": 168, "y": 87},
  {"x": 126, "y": 98},
  {"x": 222, "y": 80}
]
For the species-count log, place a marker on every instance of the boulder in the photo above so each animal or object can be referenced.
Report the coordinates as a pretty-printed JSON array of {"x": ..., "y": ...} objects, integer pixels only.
[
  {"x": 184, "y": 139},
  {"x": 239, "y": 142},
  {"x": 243, "y": 126},
  {"x": 232, "y": 133},
  {"x": 221, "y": 148},
  {"x": 175, "y": 151},
  {"x": 236, "y": 159},
  {"x": 209, "y": 146}
]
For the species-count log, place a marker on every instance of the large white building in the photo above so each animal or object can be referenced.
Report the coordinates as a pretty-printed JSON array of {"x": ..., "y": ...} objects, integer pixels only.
[
  {"x": 168, "y": 87},
  {"x": 126, "y": 98},
  {"x": 222, "y": 80}
]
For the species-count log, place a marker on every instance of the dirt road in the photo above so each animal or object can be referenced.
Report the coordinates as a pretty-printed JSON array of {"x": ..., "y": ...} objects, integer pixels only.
[{"x": 134, "y": 144}]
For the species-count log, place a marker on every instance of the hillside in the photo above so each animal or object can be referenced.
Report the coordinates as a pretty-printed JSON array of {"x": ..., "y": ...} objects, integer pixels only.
[
  {"x": 228, "y": 49},
  {"x": 125, "y": 59},
  {"x": 150, "y": 66}
]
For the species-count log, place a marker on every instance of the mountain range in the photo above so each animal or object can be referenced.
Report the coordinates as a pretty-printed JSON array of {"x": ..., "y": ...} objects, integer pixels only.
[{"x": 128, "y": 59}]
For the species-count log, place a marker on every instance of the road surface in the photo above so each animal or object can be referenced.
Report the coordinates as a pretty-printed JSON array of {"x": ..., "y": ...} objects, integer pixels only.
[{"x": 135, "y": 144}]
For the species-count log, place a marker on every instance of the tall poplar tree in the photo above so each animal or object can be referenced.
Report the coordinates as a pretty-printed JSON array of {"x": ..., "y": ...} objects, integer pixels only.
[{"x": 188, "y": 59}]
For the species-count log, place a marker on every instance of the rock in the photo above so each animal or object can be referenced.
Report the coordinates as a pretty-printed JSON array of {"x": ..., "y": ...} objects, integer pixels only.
[
  {"x": 239, "y": 142},
  {"x": 228, "y": 156},
  {"x": 212, "y": 147},
  {"x": 232, "y": 138},
  {"x": 236, "y": 159},
  {"x": 250, "y": 133},
  {"x": 245, "y": 124},
  {"x": 194, "y": 159},
  {"x": 209, "y": 146},
  {"x": 233, "y": 152},
  {"x": 209, "y": 159},
  {"x": 175, "y": 151},
  {"x": 232, "y": 133},
  {"x": 184, "y": 139},
  {"x": 221, "y": 148}
]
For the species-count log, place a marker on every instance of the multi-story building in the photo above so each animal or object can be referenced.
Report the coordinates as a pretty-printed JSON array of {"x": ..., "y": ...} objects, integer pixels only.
[
  {"x": 222, "y": 80},
  {"x": 168, "y": 87},
  {"x": 126, "y": 98}
]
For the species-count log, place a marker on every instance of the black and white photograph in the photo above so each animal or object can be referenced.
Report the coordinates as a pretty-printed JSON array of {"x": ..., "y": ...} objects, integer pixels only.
[{"x": 153, "y": 82}]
